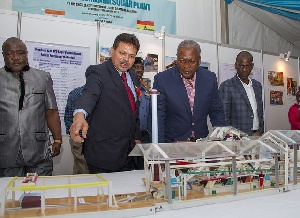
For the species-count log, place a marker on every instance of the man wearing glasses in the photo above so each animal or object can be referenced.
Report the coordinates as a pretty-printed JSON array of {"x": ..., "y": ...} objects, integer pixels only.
[{"x": 242, "y": 98}]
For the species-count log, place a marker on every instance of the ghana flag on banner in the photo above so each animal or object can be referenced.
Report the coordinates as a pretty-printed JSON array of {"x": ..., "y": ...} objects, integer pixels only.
[{"x": 145, "y": 25}]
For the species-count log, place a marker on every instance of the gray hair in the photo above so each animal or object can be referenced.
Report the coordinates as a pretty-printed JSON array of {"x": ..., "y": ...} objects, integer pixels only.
[{"x": 189, "y": 44}]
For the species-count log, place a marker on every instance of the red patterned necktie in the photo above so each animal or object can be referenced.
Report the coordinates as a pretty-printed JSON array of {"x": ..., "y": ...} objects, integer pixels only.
[{"x": 129, "y": 93}]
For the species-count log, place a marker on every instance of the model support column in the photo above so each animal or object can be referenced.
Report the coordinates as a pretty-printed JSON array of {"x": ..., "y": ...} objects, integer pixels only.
[
  {"x": 168, "y": 181},
  {"x": 3, "y": 201},
  {"x": 295, "y": 163},
  {"x": 234, "y": 175},
  {"x": 276, "y": 170},
  {"x": 154, "y": 93}
]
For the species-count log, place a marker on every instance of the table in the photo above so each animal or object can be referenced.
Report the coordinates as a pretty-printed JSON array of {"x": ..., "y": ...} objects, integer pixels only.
[{"x": 283, "y": 205}]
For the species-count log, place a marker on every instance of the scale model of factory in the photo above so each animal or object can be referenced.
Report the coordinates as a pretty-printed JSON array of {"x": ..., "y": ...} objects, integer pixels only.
[
  {"x": 228, "y": 161},
  {"x": 226, "y": 166}
]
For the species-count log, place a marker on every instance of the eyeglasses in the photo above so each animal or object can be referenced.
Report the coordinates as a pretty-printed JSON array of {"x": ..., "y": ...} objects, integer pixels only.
[{"x": 185, "y": 61}]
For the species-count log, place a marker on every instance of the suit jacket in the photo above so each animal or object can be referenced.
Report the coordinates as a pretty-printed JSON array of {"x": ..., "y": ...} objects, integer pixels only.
[
  {"x": 175, "y": 119},
  {"x": 26, "y": 129},
  {"x": 69, "y": 109},
  {"x": 112, "y": 126},
  {"x": 237, "y": 107}
]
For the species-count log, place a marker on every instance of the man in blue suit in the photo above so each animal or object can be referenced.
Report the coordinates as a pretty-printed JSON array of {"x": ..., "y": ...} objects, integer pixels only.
[
  {"x": 242, "y": 98},
  {"x": 188, "y": 94}
]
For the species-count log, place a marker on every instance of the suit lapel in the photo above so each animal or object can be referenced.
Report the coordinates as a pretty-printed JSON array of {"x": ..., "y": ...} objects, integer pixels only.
[
  {"x": 117, "y": 80},
  {"x": 199, "y": 87},
  {"x": 180, "y": 89},
  {"x": 136, "y": 84},
  {"x": 240, "y": 88},
  {"x": 256, "y": 88}
]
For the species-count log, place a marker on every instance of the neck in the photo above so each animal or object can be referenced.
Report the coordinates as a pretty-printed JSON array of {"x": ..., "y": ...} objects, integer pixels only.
[
  {"x": 246, "y": 81},
  {"x": 25, "y": 68}
]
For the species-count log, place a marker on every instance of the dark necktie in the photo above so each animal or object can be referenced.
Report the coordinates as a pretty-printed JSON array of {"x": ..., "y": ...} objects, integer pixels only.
[
  {"x": 129, "y": 93},
  {"x": 22, "y": 90}
]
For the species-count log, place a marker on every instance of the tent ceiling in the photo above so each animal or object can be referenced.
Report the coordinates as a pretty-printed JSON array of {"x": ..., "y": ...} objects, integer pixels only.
[{"x": 289, "y": 29}]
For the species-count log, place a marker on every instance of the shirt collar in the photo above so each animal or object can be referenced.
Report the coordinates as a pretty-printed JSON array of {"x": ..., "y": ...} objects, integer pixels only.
[{"x": 250, "y": 81}]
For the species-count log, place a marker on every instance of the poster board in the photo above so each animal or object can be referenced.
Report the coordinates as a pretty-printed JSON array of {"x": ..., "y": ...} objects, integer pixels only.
[
  {"x": 62, "y": 32},
  {"x": 276, "y": 112},
  {"x": 66, "y": 64}
]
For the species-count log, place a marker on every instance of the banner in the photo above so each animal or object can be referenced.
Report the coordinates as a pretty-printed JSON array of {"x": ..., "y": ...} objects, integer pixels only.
[{"x": 126, "y": 13}]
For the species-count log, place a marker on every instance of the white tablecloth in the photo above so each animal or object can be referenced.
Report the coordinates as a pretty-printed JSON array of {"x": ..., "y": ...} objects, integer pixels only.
[{"x": 283, "y": 205}]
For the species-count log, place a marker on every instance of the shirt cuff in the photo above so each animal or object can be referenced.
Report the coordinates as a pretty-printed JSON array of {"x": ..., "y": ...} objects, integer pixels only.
[{"x": 82, "y": 111}]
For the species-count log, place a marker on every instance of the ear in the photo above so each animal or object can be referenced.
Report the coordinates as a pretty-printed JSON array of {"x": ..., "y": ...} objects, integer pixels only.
[
  {"x": 111, "y": 51},
  {"x": 236, "y": 65}
]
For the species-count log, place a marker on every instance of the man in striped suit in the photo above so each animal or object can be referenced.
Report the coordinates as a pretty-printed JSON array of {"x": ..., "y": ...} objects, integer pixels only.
[{"x": 242, "y": 98}]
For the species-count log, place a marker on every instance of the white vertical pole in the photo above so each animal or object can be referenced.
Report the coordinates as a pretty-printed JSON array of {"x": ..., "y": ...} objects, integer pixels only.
[
  {"x": 3, "y": 202},
  {"x": 184, "y": 187},
  {"x": 75, "y": 199},
  {"x": 109, "y": 193},
  {"x": 154, "y": 94},
  {"x": 69, "y": 190},
  {"x": 43, "y": 202}
]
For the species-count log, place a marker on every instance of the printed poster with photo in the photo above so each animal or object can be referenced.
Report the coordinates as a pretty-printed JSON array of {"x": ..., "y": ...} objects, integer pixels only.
[
  {"x": 294, "y": 87},
  {"x": 170, "y": 62},
  {"x": 104, "y": 54},
  {"x": 151, "y": 63},
  {"x": 276, "y": 97},
  {"x": 275, "y": 78}
]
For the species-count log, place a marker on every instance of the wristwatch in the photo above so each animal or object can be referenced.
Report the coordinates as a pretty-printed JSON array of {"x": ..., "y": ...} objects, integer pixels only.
[{"x": 59, "y": 141}]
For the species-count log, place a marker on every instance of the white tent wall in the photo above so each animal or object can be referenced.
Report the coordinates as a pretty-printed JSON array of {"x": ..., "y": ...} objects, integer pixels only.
[
  {"x": 199, "y": 19},
  {"x": 6, "y": 4},
  {"x": 248, "y": 32}
]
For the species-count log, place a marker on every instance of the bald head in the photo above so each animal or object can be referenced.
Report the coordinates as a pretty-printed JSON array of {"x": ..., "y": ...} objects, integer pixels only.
[{"x": 244, "y": 54}]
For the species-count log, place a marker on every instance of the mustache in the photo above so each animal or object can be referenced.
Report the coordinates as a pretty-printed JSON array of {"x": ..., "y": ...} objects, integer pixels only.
[
  {"x": 124, "y": 62},
  {"x": 16, "y": 62}
]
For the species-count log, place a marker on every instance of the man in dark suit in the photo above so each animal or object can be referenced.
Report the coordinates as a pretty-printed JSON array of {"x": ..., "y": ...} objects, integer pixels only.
[
  {"x": 242, "y": 98},
  {"x": 109, "y": 102},
  {"x": 188, "y": 94}
]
